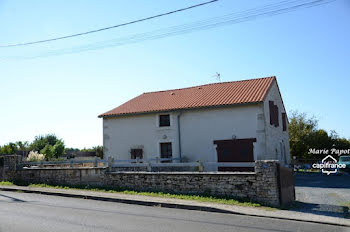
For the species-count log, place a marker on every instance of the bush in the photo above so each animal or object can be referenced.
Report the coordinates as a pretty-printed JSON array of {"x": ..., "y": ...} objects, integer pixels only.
[{"x": 34, "y": 156}]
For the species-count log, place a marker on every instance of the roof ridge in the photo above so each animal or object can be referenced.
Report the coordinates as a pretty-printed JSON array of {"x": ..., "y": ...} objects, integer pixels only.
[{"x": 216, "y": 83}]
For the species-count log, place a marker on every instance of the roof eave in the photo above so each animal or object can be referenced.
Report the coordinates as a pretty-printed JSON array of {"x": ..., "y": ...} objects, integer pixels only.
[{"x": 179, "y": 109}]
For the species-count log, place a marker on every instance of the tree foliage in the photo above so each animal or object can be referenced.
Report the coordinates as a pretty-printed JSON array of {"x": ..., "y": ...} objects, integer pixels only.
[
  {"x": 9, "y": 149},
  {"x": 41, "y": 141},
  {"x": 305, "y": 134},
  {"x": 58, "y": 149},
  {"x": 50, "y": 145},
  {"x": 97, "y": 149}
]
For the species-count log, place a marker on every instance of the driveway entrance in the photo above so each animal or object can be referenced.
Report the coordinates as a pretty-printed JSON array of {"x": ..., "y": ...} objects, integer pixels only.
[{"x": 323, "y": 194}]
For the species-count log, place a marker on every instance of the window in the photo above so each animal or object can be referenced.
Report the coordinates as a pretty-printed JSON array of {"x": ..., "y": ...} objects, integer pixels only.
[
  {"x": 136, "y": 153},
  {"x": 284, "y": 121},
  {"x": 273, "y": 114},
  {"x": 166, "y": 151},
  {"x": 164, "y": 120}
]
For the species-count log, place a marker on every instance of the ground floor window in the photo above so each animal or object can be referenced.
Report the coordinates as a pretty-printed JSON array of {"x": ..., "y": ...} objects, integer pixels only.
[
  {"x": 136, "y": 153},
  {"x": 166, "y": 151}
]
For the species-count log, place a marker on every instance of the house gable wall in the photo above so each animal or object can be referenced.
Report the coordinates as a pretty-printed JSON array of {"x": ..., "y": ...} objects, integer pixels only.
[{"x": 277, "y": 140}]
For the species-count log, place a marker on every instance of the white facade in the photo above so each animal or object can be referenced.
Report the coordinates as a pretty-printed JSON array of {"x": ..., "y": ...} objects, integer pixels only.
[
  {"x": 198, "y": 129},
  {"x": 277, "y": 140}
]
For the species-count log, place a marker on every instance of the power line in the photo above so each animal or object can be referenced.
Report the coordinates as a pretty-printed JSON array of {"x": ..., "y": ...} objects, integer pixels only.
[
  {"x": 229, "y": 19},
  {"x": 233, "y": 18},
  {"x": 108, "y": 28}
]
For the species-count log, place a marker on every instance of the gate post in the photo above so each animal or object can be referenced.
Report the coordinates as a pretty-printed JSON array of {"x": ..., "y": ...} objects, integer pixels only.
[
  {"x": 11, "y": 165},
  {"x": 267, "y": 185},
  {"x": 95, "y": 162},
  {"x": 110, "y": 163}
]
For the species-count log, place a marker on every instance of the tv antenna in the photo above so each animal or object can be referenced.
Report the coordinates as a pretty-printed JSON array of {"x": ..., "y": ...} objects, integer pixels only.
[{"x": 217, "y": 76}]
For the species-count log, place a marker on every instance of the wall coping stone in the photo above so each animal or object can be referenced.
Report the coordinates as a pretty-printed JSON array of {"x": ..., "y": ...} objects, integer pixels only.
[
  {"x": 183, "y": 173},
  {"x": 62, "y": 168}
]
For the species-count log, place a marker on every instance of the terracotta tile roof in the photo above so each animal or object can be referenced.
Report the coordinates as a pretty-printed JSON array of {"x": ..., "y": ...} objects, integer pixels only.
[{"x": 216, "y": 94}]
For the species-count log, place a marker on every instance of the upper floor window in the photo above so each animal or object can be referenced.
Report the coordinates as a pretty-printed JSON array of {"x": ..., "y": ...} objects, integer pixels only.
[
  {"x": 273, "y": 114},
  {"x": 164, "y": 120}
]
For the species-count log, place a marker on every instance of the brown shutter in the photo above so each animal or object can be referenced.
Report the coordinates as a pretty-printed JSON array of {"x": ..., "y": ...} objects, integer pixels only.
[
  {"x": 271, "y": 110},
  {"x": 274, "y": 117},
  {"x": 277, "y": 123},
  {"x": 284, "y": 121}
]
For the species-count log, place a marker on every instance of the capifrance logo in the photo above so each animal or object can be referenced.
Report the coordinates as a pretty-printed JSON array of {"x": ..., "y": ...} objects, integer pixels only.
[{"x": 329, "y": 165}]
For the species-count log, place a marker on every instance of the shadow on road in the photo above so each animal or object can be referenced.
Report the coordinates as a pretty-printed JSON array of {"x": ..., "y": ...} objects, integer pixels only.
[
  {"x": 12, "y": 198},
  {"x": 321, "y": 209}
]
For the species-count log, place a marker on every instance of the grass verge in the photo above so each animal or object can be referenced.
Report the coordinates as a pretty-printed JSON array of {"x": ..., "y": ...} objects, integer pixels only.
[
  {"x": 200, "y": 198},
  {"x": 6, "y": 183},
  {"x": 347, "y": 203}
]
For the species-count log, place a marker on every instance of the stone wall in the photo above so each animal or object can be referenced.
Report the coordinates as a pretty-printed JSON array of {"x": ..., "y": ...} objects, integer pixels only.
[
  {"x": 155, "y": 168},
  {"x": 259, "y": 186},
  {"x": 59, "y": 176},
  {"x": 1, "y": 173},
  {"x": 1, "y": 167}
]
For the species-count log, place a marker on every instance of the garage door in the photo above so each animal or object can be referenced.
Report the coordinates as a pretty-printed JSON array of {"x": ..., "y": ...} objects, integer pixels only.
[{"x": 237, "y": 150}]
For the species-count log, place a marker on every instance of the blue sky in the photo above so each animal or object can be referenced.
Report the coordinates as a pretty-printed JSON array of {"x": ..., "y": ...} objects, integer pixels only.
[{"x": 308, "y": 50}]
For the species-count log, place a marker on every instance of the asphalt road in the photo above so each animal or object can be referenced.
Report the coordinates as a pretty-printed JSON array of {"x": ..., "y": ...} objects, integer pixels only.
[
  {"x": 322, "y": 194},
  {"x": 329, "y": 196},
  {"x": 34, "y": 212}
]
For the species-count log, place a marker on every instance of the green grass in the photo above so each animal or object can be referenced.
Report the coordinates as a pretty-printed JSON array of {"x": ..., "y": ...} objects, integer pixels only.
[
  {"x": 347, "y": 203},
  {"x": 6, "y": 183},
  {"x": 200, "y": 198}
]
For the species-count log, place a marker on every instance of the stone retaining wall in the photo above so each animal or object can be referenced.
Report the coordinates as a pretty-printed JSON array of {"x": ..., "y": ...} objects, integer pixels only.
[
  {"x": 259, "y": 186},
  {"x": 60, "y": 176},
  {"x": 155, "y": 169},
  {"x": 1, "y": 173}
]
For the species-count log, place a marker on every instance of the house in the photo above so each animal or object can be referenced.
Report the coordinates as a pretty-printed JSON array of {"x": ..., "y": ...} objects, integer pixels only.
[{"x": 239, "y": 121}]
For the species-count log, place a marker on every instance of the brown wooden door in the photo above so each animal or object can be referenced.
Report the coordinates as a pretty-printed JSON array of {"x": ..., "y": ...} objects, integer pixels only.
[
  {"x": 166, "y": 152},
  {"x": 238, "y": 150}
]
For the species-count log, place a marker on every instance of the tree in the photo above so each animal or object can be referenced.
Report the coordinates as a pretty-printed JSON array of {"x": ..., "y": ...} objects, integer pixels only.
[
  {"x": 41, "y": 141},
  {"x": 38, "y": 144},
  {"x": 23, "y": 146},
  {"x": 99, "y": 151},
  {"x": 50, "y": 145},
  {"x": 9, "y": 149},
  {"x": 58, "y": 149},
  {"x": 304, "y": 134},
  {"x": 51, "y": 139},
  {"x": 300, "y": 129},
  {"x": 48, "y": 151}
]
